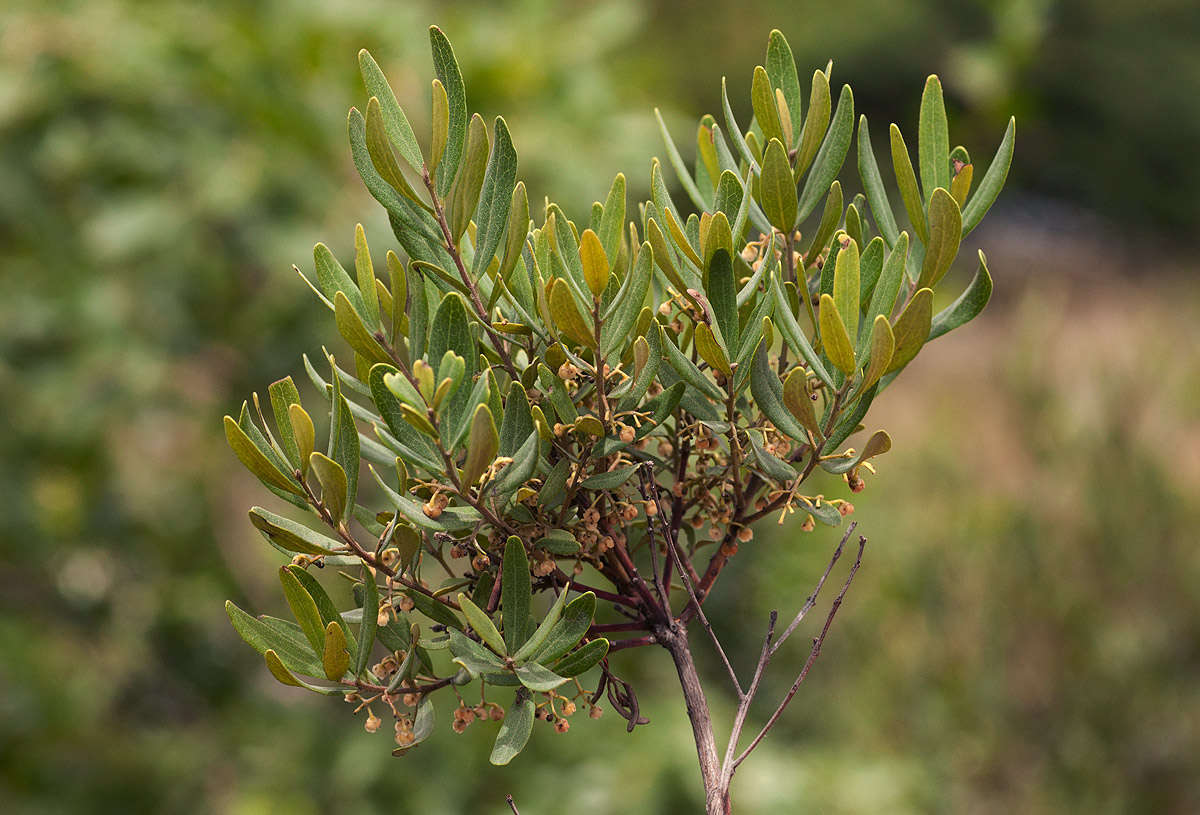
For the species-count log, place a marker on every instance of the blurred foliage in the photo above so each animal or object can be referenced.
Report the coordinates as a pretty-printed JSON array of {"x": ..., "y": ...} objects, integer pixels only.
[{"x": 1024, "y": 636}]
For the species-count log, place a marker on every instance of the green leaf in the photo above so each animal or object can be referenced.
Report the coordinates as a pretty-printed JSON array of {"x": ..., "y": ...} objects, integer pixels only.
[
  {"x": 613, "y": 222},
  {"x": 538, "y": 678},
  {"x": 566, "y": 315},
  {"x": 304, "y": 608},
  {"x": 283, "y": 395},
  {"x": 332, "y": 278},
  {"x": 582, "y": 659},
  {"x": 610, "y": 479},
  {"x": 933, "y": 143},
  {"x": 992, "y": 181},
  {"x": 798, "y": 400},
  {"x": 830, "y": 217},
  {"x": 303, "y": 432},
  {"x": 945, "y": 234},
  {"x": 576, "y": 618},
  {"x": 906, "y": 179},
  {"x": 681, "y": 171},
  {"x": 846, "y": 287},
  {"x": 292, "y": 536},
  {"x": 496, "y": 198},
  {"x": 911, "y": 329},
  {"x": 333, "y": 484},
  {"x": 883, "y": 345},
  {"x": 515, "y": 594},
  {"x": 464, "y": 195},
  {"x": 883, "y": 299},
  {"x": 440, "y": 122},
  {"x": 594, "y": 261},
  {"x": 831, "y": 156},
  {"x": 967, "y": 306},
  {"x": 557, "y": 542},
  {"x": 539, "y": 636},
  {"x": 781, "y": 68},
  {"x": 778, "y": 188},
  {"x": 516, "y": 232},
  {"x": 819, "y": 105},
  {"x": 380, "y": 152},
  {"x": 482, "y": 445},
  {"x": 350, "y": 325},
  {"x": 395, "y": 122},
  {"x": 524, "y": 461},
  {"x": 834, "y": 336},
  {"x": 369, "y": 624},
  {"x": 722, "y": 296},
  {"x": 710, "y": 350},
  {"x": 794, "y": 335},
  {"x": 435, "y": 610},
  {"x": 280, "y": 672},
  {"x": 517, "y": 423},
  {"x": 482, "y": 624},
  {"x": 514, "y": 730},
  {"x": 823, "y": 511},
  {"x": 329, "y": 613},
  {"x": 766, "y": 113},
  {"x": 343, "y": 439},
  {"x": 689, "y": 373},
  {"x": 256, "y": 461},
  {"x": 767, "y": 391},
  {"x": 294, "y": 652},
  {"x": 628, "y": 303},
  {"x": 447, "y": 70},
  {"x": 879, "y": 443},
  {"x": 872, "y": 181},
  {"x": 335, "y": 659},
  {"x": 473, "y": 656}
]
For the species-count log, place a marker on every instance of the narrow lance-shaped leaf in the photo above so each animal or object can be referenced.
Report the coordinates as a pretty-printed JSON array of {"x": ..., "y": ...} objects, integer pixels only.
[
  {"x": 819, "y": 105},
  {"x": 846, "y": 287},
  {"x": 395, "y": 122},
  {"x": 781, "y": 68},
  {"x": 446, "y": 67},
  {"x": 872, "y": 181},
  {"x": 495, "y": 198},
  {"x": 566, "y": 315},
  {"x": 906, "y": 180},
  {"x": 343, "y": 439},
  {"x": 613, "y": 222},
  {"x": 482, "y": 624},
  {"x": 464, "y": 195},
  {"x": 834, "y": 336},
  {"x": 762, "y": 96},
  {"x": 370, "y": 622},
  {"x": 380, "y": 151},
  {"x": 256, "y": 461},
  {"x": 883, "y": 345},
  {"x": 440, "y": 121},
  {"x": 933, "y": 143},
  {"x": 832, "y": 155},
  {"x": 304, "y": 608},
  {"x": 992, "y": 181},
  {"x": 515, "y": 594},
  {"x": 778, "y": 195},
  {"x": 283, "y": 395},
  {"x": 967, "y": 306},
  {"x": 514, "y": 730}
]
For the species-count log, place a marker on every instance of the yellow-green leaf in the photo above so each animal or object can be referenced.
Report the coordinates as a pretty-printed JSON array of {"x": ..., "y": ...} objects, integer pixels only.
[
  {"x": 482, "y": 445},
  {"x": 336, "y": 658},
  {"x": 566, "y": 315},
  {"x": 710, "y": 350},
  {"x": 595, "y": 262},
  {"x": 333, "y": 484},
  {"x": 906, "y": 180},
  {"x": 350, "y": 325},
  {"x": 441, "y": 125},
  {"x": 820, "y": 102},
  {"x": 256, "y": 461},
  {"x": 883, "y": 345},
  {"x": 945, "y": 234},
  {"x": 766, "y": 112},
  {"x": 834, "y": 336},
  {"x": 846, "y": 287},
  {"x": 778, "y": 188},
  {"x": 798, "y": 400},
  {"x": 960, "y": 187},
  {"x": 304, "y": 432}
]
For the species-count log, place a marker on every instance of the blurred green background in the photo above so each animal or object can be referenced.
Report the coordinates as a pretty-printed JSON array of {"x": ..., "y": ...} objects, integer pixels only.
[{"x": 1025, "y": 633}]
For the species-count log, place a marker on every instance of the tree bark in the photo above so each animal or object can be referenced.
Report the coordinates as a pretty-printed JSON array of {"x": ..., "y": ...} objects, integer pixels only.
[{"x": 716, "y": 788}]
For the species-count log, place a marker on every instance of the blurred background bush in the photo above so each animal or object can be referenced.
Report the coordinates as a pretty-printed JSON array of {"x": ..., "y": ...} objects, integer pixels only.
[{"x": 1025, "y": 634}]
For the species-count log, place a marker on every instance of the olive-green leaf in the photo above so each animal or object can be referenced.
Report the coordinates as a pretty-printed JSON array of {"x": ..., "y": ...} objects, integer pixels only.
[
  {"x": 343, "y": 440},
  {"x": 256, "y": 460},
  {"x": 834, "y": 336},
  {"x": 967, "y": 306},
  {"x": 514, "y": 730},
  {"x": 831, "y": 155},
  {"x": 285, "y": 676},
  {"x": 295, "y": 651},
  {"x": 933, "y": 143},
  {"x": 830, "y": 216},
  {"x": 768, "y": 393},
  {"x": 566, "y": 315},
  {"x": 778, "y": 196},
  {"x": 906, "y": 180},
  {"x": 304, "y": 608},
  {"x": 710, "y": 350},
  {"x": 879, "y": 443},
  {"x": 482, "y": 445},
  {"x": 335, "y": 659},
  {"x": 819, "y": 105},
  {"x": 689, "y": 373},
  {"x": 464, "y": 195},
  {"x": 594, "y": 262},
  {"x": 945, "y": 234},
  {"x": 350, "y": 325},
  {"x": 722, "y": 296},
  {"x": 582, "y": 659},
  {"x": 473, "y": 656},
  {"x": 538, "y": 678},
  {"x": 515, "y": 594},
  {"x": 911, "y": 329},
  {"x": 303, "y": 432},
  {"x": 766, "y": 112},
  {"x": 446, "y": 67},
  {"x": 369, "y": 624},
  {"x": 482, "y": 624},
  {"x": 283, "y": 395},
  {"x": 380, "y": 152},
  {"x": 872, "y": 181},
  {"x": 290, "y": 535},
  {"x": 883, "y": 345},
  {"x": 613, "y": 222},
  {"x": 610, "y": 479},
  {"x": 551, "y": 619},
  {"x": 333, "y": 484},
  {"x": 798, "y": 400},
  {"x": 496, "y": 197},
  {"x": 395, "y": 122},
  {"x": 992, "y": 181},
  {"x": 794, "y": 334},
  {"x": 440, "y": 121},
  {"x": 846, "y": 287},
  {"x": 781, "y": 68},
  {"x": 576, "y": 618}
]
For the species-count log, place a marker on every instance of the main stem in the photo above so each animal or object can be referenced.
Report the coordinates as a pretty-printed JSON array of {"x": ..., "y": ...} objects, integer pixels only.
[{"x": 716, "y": 787}]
